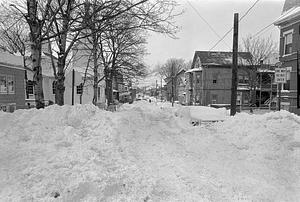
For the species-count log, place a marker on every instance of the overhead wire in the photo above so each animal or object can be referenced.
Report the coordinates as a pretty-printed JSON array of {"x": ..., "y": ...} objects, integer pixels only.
[
  {"x": 206, "y": 22},
  {"x": 267, "y": 27},
  {"x": 246, "y": 13}
]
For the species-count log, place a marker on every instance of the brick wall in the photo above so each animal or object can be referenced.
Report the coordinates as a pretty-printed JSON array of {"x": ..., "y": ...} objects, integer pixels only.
[{"x": 18, "y": 96}]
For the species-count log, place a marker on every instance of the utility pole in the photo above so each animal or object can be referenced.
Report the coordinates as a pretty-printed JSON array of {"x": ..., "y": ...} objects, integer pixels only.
[
  {"x": 260, "y": 86},
  {"x": 271, "y": 91},
  {"x": 156, "y": 92},
  {"x": 73, "y": 84},
  {"x": 161, "y": 88},
  {"x": 298, "y": 81},
  {"x": 234, "y": 65},
  {"x": 172, "y": 85},
  {"x": 279, "y": 96}
]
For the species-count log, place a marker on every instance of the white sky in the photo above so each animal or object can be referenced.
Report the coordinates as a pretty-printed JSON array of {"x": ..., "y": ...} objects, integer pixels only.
[{"x": 196, "y": 35}]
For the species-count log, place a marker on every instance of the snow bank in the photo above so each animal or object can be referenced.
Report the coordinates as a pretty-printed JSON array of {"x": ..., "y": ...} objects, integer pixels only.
[
  {"x": 148, "y": 152},
  {"x": 207, "y": 113}
]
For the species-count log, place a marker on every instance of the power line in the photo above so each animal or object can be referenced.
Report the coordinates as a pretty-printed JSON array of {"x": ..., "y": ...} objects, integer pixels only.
[
  {"x": 247, "y": 12},
  {"x": 266, "y": 27},
  {"x": 262, "y": 30},
  {"x": 206, "y": 22}
]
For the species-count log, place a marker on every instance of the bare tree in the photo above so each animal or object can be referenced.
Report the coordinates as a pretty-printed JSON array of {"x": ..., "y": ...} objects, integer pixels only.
[
  {"x": 171, "y": 67},
  {"x": 261, "y": 49},
  {"x": 35, "y": 19},
  {"x": 64, "y": 21},
  {"x": 121, "y": 42}
]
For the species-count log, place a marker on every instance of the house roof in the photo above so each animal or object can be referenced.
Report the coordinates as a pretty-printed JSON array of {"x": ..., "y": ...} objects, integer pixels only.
[
  {"x": 180, "y": 71},
  {"x": 220, "y": 58},
  {"x": 288, "y": 4},
  {"x": 288, "y": 15},
  {"x": 194, "y": 70},
  {"x": 11, "y": 60}
]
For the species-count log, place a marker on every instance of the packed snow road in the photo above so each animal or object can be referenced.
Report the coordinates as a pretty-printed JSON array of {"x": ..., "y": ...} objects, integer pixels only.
[{"x": 147, "y": 152}]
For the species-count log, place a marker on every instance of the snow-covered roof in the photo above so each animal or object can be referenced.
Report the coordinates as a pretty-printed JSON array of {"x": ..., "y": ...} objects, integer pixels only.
[
  {"x": 288, "y": 15},
  {"x": 220, "y": 57},
  {"x": 194, "y": 70},
  {"x": 266, "y": 70},
  {"x": 10, "y": 59}
]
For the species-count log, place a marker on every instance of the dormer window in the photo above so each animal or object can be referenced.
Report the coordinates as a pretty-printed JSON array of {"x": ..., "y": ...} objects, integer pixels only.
[{"x": 288, "y": 41}]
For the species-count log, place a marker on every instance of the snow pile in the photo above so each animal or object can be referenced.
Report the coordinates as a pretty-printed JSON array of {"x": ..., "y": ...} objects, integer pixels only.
[
  {"x": 56, "y": 152},
  {"x": 148, "y": 152},
  {"x": 256, "y": 157},
  {"x": 207, "y": 113}
]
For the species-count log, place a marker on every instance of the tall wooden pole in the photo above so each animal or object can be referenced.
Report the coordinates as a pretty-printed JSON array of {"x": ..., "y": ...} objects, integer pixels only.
[
  {"x": 279, "y": 86},
  {"x": 298, "y": 81},
  {"x": 260, "y": 86},
  {"x": 156, "y": 92},
  {"x": 173, "y": 85},
  {"x": 234, "y": 65},
  {"x": 73, "y": 85},
  {"x": 161, "y": 89}
]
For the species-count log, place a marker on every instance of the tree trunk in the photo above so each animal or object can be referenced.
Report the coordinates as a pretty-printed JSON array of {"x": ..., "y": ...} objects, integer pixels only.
[
  {"x": 60, "y": 87},
  {"x": 36, "y": 51},
  {"x": 37, "y": 77},
  {"x": 61, "y": 63},
  {"x": 108, "y": 86},
  {"x": 95, "y": 86}
]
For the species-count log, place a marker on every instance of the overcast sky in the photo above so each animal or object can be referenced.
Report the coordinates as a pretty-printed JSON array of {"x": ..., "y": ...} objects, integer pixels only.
[{"x": 196, "y": 35}]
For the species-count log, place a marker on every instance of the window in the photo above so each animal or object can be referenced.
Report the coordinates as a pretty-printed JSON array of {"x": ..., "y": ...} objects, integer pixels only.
[
  {"x": 29, "y": 87},
  {"x": 286, "y": 86},
  {"x": 79, "y": 89},
  {"x": 288, "y": 40},
  {"x": 53, "y": 87},
  {"x": 198, "y": 78},
  {"x": 11, "y": 84},
  {"x": 215, "y": 78},
  {"x": 7, "y": 84},
  {"x": 10, "y": 107},
  {"x": 241, "y": 79},
  {"x": 214, "y": 99},
  {"x": 246, "y": 79},
  {"x": 3, "y": 108},
  {"x": 3, "y": 84}
]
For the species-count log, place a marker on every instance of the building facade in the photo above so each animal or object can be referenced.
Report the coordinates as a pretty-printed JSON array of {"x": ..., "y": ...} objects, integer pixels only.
[
  {"x": 12, "y": 82},
  {"x": 289, "y": 25},
  {"x": 210, "y": 78}
]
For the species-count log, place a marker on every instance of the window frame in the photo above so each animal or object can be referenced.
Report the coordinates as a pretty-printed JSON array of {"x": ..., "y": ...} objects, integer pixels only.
[
  {"x": 79, "y": 89},
  {"x": 12, "y": 77},
  {"x": 28, "y": 90},
  {"x": 6, "y": 89},
  {"x": 285, "y": 43}
]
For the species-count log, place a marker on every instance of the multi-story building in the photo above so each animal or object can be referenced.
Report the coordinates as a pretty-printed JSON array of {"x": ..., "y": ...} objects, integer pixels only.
[
  {"x": 177, "y": 86},
  {"x": 289, "y": 25},
  {"x": 12, "y": 82},
  {"x": 209, "y": 79}
]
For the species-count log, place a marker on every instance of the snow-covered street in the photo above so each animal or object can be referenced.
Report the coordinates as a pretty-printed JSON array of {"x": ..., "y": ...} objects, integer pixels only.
[{"x": 147, "y": 152}]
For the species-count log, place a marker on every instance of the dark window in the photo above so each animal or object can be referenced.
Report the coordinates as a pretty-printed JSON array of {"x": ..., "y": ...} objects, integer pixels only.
[
  {"x": 29, "y": 87},
  {"x": 198, "y": 78},
  {"x": 214, "y": 99},
  {"x": 288, "y": 39},
  {"x": 241, "y": 79},
  {"x": 79, "y": 89},
  {"x": 246, "y": 79},
  {"x": 53, "y": 87},
  {"x": 215, "y": 78}
]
